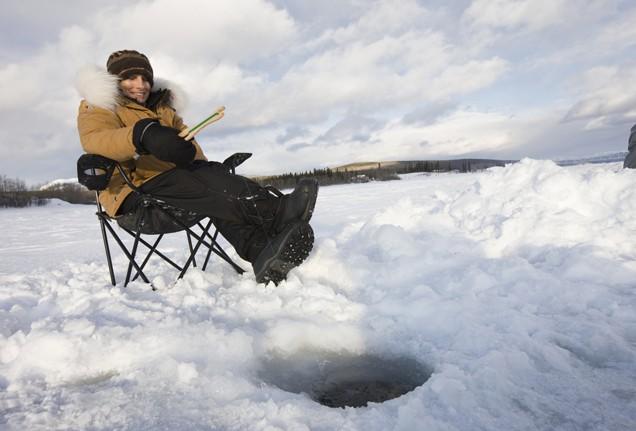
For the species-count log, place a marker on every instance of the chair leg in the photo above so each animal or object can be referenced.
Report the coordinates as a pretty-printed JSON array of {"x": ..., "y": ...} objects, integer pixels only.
[
  {"x": 107, "y": 249},
  {"x": 213, "y": 241},
  {"x": 201, "y": 240},
  {"x": 213, "y": 247},
  {"x": 218, "y": 250},
  {"x": 223, "y": 255},
  {"x": 207, "y": 259},
  {"x": 132, "y": 260},
  {"x": 140, "y": 222},
  {"x": 126, "y": 252},
  {"x": 194, "y": 261},
  {"x": 152, "y": 249},
  {"x": 196, "y": 248}
]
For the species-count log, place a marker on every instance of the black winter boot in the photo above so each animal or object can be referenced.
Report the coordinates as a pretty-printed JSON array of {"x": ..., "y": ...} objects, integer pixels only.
[
  {"x": 285, "y": 251},
  {"x": 260, "y": 207},
  {"x": 298, "y": 205}
]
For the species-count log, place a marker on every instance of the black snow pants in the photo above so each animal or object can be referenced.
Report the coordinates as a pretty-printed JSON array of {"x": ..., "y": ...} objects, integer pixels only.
[{"x": 243, "y": 211}]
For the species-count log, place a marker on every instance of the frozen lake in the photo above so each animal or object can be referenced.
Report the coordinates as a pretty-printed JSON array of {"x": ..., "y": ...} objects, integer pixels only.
[{"x": 514, "y": 287}]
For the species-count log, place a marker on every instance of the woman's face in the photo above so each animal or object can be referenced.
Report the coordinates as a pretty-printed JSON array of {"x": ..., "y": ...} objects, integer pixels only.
[{"x": 136, "y": 87}]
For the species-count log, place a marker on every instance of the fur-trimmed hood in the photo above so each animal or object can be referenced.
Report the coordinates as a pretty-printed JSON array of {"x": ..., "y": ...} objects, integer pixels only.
[{"x": 100, "y": 88}]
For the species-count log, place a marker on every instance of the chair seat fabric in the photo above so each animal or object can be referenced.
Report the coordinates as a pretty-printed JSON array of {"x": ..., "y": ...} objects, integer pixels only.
[{"x": 156, "y": 221}]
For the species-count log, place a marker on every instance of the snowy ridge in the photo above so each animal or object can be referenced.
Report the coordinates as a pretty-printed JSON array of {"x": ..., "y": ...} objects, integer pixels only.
[
  {"x": 515, "y": 285},
  {"x": 58, "y": 182}
]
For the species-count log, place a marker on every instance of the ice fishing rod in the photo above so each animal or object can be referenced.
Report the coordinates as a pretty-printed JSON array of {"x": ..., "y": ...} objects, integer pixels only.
[{"x": 189, "y": 133}]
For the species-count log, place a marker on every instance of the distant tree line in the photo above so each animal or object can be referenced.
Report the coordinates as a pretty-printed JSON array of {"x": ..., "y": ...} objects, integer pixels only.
[
  {"x": 457, "y": 165},
  {"x": 390, "y": 171},
  {"x": 327, "y": 177},
  {"x": 14, "y": 193}
]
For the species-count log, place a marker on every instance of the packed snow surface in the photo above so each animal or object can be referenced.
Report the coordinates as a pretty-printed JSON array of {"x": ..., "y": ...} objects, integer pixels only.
[{"x": 515, "y": 286}]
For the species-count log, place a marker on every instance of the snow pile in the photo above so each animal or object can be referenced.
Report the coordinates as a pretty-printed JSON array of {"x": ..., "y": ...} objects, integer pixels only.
[{"x": 514, "y": 286}]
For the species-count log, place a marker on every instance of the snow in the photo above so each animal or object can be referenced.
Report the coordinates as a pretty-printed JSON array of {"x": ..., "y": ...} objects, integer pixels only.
[
  {"x": 57, "y": 202},
  {"x": 514, "y": 286},
  {"x": 58, "y": 182}
]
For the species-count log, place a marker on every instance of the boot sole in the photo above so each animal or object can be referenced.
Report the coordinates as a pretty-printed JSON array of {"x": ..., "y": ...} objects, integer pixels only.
[{"x": 292, "y": 250}]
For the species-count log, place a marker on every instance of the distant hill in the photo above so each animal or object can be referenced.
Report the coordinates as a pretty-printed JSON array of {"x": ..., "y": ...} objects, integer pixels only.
[
  {"x": 366, "y": 165},
  {"x": 68, "y": 189}
]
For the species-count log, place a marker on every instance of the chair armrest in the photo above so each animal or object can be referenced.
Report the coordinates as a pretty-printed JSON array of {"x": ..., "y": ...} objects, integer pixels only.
[
  {"x": 235, "y": 160},
  {"x": 94, "y": 171}
]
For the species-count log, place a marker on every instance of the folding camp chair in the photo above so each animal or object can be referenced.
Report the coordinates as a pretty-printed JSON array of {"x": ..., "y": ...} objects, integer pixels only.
[{"x": 151, "y": 217}]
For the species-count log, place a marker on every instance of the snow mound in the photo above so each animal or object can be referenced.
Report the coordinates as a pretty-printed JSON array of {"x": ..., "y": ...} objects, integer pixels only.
[{"x": 514, "y": 285}]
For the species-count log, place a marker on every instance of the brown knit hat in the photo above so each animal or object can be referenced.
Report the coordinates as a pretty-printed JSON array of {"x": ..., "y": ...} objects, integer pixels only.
[{"x": 127, "y": 63}]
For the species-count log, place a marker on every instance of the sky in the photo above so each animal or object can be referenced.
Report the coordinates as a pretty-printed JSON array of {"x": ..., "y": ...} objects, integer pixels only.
[{"x": 320, "y": 84}]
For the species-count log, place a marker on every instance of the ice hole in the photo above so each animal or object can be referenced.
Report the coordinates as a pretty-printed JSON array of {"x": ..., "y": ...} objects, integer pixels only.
[{"x": 340, "y": 380}]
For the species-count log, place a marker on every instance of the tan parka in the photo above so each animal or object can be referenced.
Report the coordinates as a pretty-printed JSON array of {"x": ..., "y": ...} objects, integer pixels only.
[{"x": 107, "y": 131}]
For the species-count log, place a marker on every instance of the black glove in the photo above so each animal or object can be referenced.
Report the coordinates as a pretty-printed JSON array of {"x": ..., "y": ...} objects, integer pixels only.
[{"x": 162, "y": 142}]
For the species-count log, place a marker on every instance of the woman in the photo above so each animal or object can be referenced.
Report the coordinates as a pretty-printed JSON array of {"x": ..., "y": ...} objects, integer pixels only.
[{"x": 126, "y": 116}]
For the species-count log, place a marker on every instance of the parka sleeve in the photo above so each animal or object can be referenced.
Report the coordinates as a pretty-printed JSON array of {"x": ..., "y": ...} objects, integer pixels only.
[{"x": 102, "y": 133}]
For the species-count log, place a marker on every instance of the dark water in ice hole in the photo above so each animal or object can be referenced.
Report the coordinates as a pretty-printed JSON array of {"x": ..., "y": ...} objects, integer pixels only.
[{"x": 339, "y": 380}]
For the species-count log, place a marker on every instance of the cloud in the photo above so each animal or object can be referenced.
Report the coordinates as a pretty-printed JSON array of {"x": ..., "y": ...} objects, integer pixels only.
[
  {"x": 515, "y": 14},
  {"x": 192, "y": 30},
  {"x": 459, "y": 133},
  {"x": 23, "y": 90},
  {"x": 379, "y": 19},
  {"x": 371, "y": 75},
  {"x": 429, "y": 113},
  {"x": 298, "y": 146},
  {"x": 39, "y": 106},
  {"x": 353, "y": 128},
  {"x": 536, "y": 32},
  {"x": 609, "y": 97},
  {"x": 618, "y": 34},
  {"x": 533, "y": 15},
  {"x": 292, "y": 132}
]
